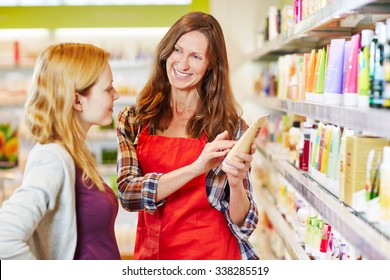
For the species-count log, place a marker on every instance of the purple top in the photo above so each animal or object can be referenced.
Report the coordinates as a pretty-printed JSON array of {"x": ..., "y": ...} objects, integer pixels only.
[{"x": 96, "y": 212}]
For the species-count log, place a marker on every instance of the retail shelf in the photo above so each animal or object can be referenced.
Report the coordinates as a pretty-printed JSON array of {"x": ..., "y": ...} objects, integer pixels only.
[
  {"x": 369, "y": 120},
  {"x": 361, "y": 234},
  {"x": 270, "y": 103},
  {"x": 338, "y": 19},
  {"x": 294, "y": 248}
]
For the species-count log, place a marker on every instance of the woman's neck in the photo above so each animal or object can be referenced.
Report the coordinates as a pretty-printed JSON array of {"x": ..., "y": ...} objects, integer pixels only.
[{"x": 184, "y": 101}]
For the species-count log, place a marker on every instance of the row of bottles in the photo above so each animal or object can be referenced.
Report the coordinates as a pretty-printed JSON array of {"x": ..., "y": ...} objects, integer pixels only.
[
  {"x": 351, "y": 73},
  {"x": 319, "y": 239},
  {"x": 352, "y": 165},
  {"x": 281, "y": 20}
]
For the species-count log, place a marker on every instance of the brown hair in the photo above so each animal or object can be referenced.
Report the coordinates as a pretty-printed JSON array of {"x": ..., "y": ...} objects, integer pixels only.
[{"x": 217, "y": 110}]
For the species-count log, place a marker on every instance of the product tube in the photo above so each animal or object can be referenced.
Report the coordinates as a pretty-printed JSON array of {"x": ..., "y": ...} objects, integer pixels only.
[
  {"x": 347, "y": 48},
  {"x": 364, "y": 69},
  {"x": 245, "y": 142},
  {"x": 321, "y": 77},
  {"x": 334, "y": 73},
  {"x": 350, "y": 87},
  {"x": 310, "y": 75},
  {"x": 333, "y": 159},
  {"x": 316, "y": 149},
  {"x": 303, "y": 77},
  {"x": 316, "y": 97},
  {"x": 325, "y": 153}
]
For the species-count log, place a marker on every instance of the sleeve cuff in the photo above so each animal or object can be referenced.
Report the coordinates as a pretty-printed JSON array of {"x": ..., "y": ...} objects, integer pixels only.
[{"x": 149, "y": 191}]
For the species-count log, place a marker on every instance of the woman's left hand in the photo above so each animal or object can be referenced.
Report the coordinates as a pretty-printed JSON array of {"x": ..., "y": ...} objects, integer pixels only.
[{"x": 237, "y": 171}]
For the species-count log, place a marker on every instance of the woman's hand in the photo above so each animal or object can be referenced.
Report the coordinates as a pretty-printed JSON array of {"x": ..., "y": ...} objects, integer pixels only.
[
  {"x": 237, "y": 171},
  {"x": 213, "y": 153}
]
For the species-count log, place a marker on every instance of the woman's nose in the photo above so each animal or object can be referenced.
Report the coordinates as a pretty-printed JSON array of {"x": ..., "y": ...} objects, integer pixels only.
[{"x": 183, "y": 63}]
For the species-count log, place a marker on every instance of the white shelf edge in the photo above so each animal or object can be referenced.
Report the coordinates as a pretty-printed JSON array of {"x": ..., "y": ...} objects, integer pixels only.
[
  {"x": 369, "y": 241},
  {"x": 370, "y": 120}
]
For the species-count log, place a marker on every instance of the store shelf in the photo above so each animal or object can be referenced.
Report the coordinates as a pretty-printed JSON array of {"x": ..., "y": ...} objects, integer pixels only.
[
  {"x": 372, "y": 243},
  {"x": 340, "y": 18},
  {"x": 369, "y": 120},
  {"x": 294, "y": 248}
]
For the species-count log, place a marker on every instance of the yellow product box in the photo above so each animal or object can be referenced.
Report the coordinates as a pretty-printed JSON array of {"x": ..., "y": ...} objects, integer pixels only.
[{"x": 357, "y": 150}]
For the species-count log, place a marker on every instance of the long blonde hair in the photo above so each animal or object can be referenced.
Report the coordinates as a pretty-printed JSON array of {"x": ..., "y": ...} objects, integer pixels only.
[
  {"x": 60, "y": 71},
  {"x": 217, "y": 110}
]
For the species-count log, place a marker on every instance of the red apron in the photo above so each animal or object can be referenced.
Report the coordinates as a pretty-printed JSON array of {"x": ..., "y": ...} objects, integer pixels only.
[{"x": 186, "y": 227}]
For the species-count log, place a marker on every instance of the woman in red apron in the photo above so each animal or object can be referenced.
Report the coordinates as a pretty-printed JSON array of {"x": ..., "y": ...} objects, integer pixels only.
[{"x": 172, "y": 144}]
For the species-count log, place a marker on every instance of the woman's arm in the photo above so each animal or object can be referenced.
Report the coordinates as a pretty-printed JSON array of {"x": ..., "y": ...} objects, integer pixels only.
[
  {"x": 138, "y": 191},
  {"x": 22, "y": 213}
]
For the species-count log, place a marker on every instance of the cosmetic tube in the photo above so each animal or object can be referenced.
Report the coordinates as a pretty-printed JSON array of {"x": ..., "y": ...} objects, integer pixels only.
[
  {"x": 325, "y": 154},
  {"x": 320, "y": 152},
  {"x": 303, "y": 77},
  {"x": 316, "y": 97},
  {"x": 310, "y": 76},
  {"x": 334, "y": 73},
  {"x": 321, "y": 77},
  {"x": 333, "y": 159},
  {"x": 244, "y": 144},
  {"x": 350, "y": 87},
  {"x": 364, "y": 69},
  {"x": 314, "y": 159},
  {"x": 347, "y": 48}
]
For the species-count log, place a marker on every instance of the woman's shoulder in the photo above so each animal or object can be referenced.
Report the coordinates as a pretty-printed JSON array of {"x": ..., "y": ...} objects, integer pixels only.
[
  {"x": 54, "y": 151},
  {"x": 126, "y": 123}
]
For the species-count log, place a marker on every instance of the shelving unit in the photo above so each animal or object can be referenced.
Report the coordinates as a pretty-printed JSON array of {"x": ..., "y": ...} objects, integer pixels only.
[
  {"x": 340, "y": 19},
  {"x": 370, "y": 119},
  {"x": 361, "y": 234},
  {"x": 295, "y": 250}
]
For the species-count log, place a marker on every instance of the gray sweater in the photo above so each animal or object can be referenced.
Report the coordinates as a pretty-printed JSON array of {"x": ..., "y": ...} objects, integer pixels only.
[{"x": 39, "y": 220}]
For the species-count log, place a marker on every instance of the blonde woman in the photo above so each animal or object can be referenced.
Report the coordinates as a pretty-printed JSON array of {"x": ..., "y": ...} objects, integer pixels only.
[{"x": 63, "y": 209}]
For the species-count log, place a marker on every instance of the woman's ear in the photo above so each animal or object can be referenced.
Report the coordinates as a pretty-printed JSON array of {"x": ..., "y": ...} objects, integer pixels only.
[{"x": 77, "y": 103}]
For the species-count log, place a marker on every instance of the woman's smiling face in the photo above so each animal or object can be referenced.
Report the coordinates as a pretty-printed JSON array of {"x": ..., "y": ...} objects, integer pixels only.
[{"x": 188, "y": 63}]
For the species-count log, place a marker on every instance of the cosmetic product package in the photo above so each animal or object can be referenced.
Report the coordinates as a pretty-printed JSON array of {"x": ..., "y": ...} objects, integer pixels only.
[
  {"x": 350, "y": 86},
  {"x": 364, "y": 69},
  {"x": 245, "y": 142},
  {"x": 334, "y": 73},
  {"x": 357, "y": 150}
]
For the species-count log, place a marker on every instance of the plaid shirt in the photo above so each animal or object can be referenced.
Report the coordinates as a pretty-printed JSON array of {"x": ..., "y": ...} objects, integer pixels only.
[{"x": 137, "y": 191}]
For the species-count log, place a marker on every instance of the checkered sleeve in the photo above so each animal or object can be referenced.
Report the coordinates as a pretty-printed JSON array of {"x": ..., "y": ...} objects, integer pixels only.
[
  {"x": 136, "y": 191},
  {"x": 218, "y": 198}
]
